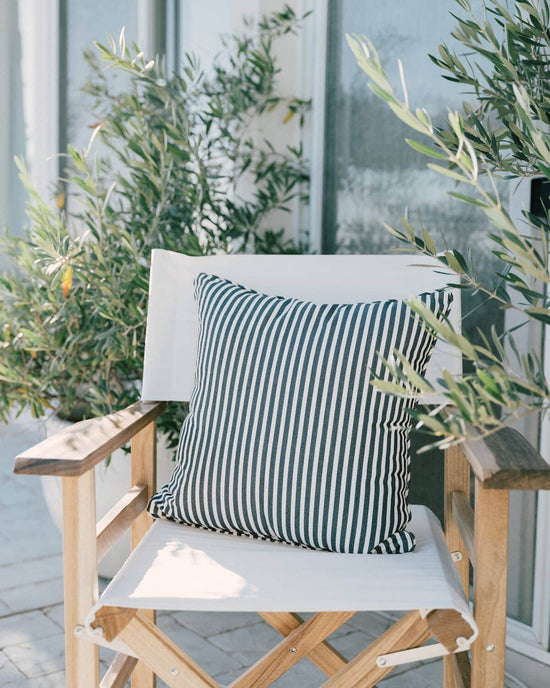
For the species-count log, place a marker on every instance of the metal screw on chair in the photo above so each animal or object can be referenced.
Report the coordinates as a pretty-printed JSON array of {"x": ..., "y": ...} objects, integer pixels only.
[
  {"x": 456, "y": 556},
  {"x": 490, "y": 648},
  {"x": 460, "y": 641},
  {"x": 78, "y": 630},
  {"x": 293, "y": 650},
  {"x": 174, "y": 672},
  {"x": 381, "y": 661},
  {"x": 98, "y": 631}
]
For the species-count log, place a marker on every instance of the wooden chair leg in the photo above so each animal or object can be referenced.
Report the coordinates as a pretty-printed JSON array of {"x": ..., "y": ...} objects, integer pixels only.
[
  {"x": 457, "y": 478},
  {"x": 462, "y": 669},
  {"x": 490, "y": 573},
  {"x": 80, "y": 577},
  {"x": 144, "y": 467},
  {"x": 119, "y": 672},
  {"x": 155, "y": 649}
]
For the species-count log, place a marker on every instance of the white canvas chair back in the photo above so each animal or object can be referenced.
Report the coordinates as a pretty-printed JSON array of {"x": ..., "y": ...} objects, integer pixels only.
[{"x": 172, "y": 323}]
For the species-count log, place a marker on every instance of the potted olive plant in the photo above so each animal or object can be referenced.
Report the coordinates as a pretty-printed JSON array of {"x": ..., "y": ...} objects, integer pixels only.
[{"x": 167, "y": 161}]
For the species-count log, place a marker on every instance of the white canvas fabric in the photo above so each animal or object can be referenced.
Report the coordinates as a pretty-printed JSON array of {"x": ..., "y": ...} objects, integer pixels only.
[
  {"x": 181, "y": 568},
  {"x": 172, "y": 315}
]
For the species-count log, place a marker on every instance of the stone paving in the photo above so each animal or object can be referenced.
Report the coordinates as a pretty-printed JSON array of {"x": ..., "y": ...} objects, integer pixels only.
[{"x": 31, "y": 609}]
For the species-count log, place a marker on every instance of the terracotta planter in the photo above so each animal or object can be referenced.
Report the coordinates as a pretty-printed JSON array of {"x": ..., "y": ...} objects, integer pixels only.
[{"x": 112, "y": 482}]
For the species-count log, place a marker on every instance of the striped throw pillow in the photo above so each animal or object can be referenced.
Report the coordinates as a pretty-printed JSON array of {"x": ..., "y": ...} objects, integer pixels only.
[{"x": 286, "y": 439}]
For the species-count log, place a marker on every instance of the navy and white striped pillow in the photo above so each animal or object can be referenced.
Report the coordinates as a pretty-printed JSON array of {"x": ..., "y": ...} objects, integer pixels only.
[{"x": 286, "y": 439}]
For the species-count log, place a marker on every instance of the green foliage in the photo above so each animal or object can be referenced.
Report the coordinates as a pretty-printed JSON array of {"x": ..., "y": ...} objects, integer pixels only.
[
  {"x": 502, "y": 131},
  {"x": 175, "y": 161}
]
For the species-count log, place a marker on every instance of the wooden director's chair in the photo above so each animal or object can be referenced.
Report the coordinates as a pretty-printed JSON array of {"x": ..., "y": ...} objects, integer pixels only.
[{"x": 179, "y": 568}]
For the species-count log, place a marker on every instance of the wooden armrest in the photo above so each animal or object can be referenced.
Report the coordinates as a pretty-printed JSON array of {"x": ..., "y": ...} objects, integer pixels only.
[
  {"x": 505, "y": 460},
  {"x": 76, "y": 449}
]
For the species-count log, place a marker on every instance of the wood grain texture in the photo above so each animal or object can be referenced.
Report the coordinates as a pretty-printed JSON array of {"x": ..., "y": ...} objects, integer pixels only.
[
  {"x": 118, "y": 519},
  {"x": 119, "y": 672},
  {"x": 457, "y": 478},
  {"x": 462, "y": 669},
  {"x": 447, "y": 625},
  {"x": 164, "y": 657},
  {"x": 324, "y": 656},
  {"x": 490, "y": 575},
  {"x": 79, "y": 578},
  {"x": 144, "y": 471},
  {"x": 363, "y": 672},
  {"x": 463, "y": 516},
  {"x": 112, "y": 620},
  {"x": 297, "y": 645},
  {"x": 76, "y": 449},
  {"x": 505, "y": 460}
]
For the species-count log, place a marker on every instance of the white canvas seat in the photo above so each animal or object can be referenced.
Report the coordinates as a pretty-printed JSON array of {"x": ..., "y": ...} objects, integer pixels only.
[{"x": 178, "y": 567}]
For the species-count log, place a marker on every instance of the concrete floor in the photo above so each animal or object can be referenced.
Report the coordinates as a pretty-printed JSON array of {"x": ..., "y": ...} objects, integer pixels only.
[{"x": 31, "y": 606}]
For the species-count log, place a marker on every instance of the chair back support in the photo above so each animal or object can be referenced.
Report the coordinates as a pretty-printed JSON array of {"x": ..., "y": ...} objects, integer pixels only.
[{"x": 172, "y": 320}]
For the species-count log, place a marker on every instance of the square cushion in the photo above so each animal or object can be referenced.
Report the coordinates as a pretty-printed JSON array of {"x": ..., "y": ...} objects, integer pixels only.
[{"x": 286, "y": 439}]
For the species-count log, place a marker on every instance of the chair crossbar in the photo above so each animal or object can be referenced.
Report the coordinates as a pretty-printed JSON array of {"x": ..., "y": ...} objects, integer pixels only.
[
  {"x": 297, "y": 645},
  {"x": 324, "y": 656},
  {"x": 117, "y": 521}
]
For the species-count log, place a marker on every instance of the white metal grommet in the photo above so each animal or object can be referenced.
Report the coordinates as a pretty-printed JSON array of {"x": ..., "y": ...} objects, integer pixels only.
[
  {"x": 460, "y": 641},
  {"x": 490, "y": 648},
  {"x": 293, "y": 650},
  {"x": 456, "y": 556},
  {"x": 381, "y": 661},
  {"x": 98, "y": 631},
  {"x": 174, "y": 672},
  {"x": 78, "y": 630}
]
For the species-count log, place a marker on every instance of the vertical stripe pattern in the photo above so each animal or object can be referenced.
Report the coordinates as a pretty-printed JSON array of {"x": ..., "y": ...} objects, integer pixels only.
[{"x": 286, "y": 439}]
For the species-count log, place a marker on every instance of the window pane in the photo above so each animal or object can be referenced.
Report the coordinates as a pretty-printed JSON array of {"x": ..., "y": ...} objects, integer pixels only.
[
  {"x": 202, "y": 25},
  {"x": 87, "y": 22}
]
